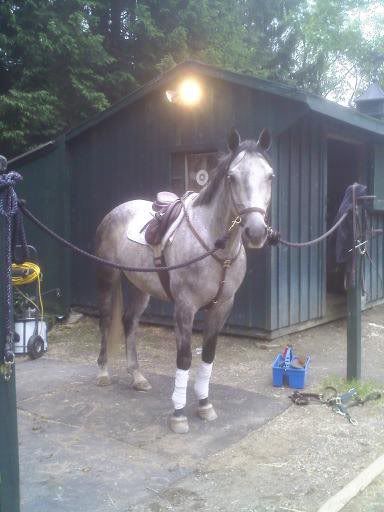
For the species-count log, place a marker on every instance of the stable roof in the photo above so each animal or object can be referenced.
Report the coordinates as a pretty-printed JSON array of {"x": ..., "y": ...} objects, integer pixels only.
[
  {"x": 373, "y": 93},
  {"x": 313, "y": 102}
]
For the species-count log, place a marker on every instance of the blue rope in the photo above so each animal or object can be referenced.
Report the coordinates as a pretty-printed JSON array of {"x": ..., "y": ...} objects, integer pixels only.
[{"x": 9, "y": 210}]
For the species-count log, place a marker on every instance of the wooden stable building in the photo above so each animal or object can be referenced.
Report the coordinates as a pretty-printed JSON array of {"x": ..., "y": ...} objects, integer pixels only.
[{"x": 145, "y": 143}]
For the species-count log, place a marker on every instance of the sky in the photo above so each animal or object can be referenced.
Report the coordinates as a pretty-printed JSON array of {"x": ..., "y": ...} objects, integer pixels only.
[
  {"x": 372, "y": 23},
  {"x": 372, "y": 18}
]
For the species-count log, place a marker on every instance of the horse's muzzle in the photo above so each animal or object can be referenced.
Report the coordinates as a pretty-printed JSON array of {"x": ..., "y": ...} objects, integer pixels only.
[{"x": 255, "y": 233}]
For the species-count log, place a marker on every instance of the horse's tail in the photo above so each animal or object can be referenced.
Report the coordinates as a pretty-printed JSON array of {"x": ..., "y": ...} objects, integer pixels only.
[{"x": 115, "y": 330}]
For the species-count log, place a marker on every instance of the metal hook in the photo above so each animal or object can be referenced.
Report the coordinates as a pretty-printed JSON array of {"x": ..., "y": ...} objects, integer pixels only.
[{"x": 235, "y": 222}]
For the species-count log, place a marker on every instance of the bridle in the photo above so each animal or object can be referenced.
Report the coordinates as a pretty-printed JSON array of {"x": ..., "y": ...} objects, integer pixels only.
[{"x": 240, "y": 212}]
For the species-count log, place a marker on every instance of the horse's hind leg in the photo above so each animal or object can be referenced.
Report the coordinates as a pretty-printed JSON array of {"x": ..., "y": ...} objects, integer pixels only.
[
  {"x": 108, "y": 287},
  {"x": 214, "y": 320},
  {"x": 138, "y": 301}
]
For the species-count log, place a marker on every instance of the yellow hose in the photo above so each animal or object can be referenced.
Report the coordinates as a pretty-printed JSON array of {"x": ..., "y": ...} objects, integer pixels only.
[{"x": 33, "y": 273}]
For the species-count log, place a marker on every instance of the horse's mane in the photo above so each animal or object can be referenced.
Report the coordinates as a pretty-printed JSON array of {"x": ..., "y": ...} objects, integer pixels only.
[{"x": 207, "y": 193}]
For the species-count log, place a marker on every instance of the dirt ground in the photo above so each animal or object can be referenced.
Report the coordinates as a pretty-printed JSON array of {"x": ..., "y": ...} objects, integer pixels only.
[{"x": 293, "y": 462}]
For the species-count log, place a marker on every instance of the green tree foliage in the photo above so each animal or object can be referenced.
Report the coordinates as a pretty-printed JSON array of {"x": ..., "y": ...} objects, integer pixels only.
[
  {"x": 52, "y": 70},
  {"x": 332, "y": 47},
  {"x": 63, "y": 60}
]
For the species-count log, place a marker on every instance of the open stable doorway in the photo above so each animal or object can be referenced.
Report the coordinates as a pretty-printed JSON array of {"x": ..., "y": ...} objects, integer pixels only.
[{"x": 344, "y": 167}]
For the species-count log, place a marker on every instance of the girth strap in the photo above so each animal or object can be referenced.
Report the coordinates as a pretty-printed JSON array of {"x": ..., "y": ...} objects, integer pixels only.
[
  {"x": 224, "y": 267},
  {"x": 159, "y": 261},
  {"x": 165, "y": 282}
]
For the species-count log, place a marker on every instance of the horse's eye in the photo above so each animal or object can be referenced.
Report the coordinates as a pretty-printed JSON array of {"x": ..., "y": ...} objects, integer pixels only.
[{"x": 271, "y": 176}]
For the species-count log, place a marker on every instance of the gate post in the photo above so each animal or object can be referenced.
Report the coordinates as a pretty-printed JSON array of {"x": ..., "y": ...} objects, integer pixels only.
[
  {"x": 354, "y": 292},
  {"x": 9, "y": 449},
  {"x": 354, "y": 322}
]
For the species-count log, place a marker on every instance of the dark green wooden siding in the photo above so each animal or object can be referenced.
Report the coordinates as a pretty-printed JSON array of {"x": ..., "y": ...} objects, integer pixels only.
[
  {"x": 297, "y": 275},
  {"x": 374, "y": 262},
  {"x": 46, "y": 187},
  {"x": 378, "y": 176}
]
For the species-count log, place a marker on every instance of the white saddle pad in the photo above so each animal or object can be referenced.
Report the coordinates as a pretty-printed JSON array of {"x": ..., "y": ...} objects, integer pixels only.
[{"x": 135, "y": 231}]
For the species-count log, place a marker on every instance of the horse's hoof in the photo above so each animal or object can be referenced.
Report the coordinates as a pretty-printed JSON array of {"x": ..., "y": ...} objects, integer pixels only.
[
  {"x": 103, "y": 380},
  {"x": 178, "y": 424},
  {"x": 140, "y": 383},
  {"x": 207, "y": 412}
]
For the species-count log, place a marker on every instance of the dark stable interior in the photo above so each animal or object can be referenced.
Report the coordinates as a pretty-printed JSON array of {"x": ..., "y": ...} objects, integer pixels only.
[{"x": 343, "y": 170}]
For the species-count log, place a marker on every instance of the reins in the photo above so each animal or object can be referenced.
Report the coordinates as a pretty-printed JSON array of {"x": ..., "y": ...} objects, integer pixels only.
[
  {"x": 103, "y": 261},
  {"x": 273, "y": 238},
  {"x": 228, "y": 261}
]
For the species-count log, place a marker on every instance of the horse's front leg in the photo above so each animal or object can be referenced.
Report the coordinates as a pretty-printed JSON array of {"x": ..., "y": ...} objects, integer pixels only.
[
  {"x": 214, "y": 321},
  {"x": 184, "y": 316}
]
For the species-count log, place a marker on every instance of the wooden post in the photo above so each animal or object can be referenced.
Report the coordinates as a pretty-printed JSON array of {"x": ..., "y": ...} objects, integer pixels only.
[
  {"x": 9, "y": 449},
  {"x": 354, "y": 322},
  {"x": 354, "y": 296}
]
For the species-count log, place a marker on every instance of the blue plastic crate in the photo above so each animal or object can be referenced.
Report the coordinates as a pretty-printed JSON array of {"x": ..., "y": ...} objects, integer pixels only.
[{"x": 283, "y": 374}]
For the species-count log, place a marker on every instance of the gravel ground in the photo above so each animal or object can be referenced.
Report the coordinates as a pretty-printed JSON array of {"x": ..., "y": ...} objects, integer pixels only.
[{"x": 296, "y": 461}]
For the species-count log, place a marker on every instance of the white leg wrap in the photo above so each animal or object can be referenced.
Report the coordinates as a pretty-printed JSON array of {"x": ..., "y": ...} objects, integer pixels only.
[
  {"x": 203, "y": 376},
  {"x": 103, "y": 372},
  {"x": 179, "y": 397}
]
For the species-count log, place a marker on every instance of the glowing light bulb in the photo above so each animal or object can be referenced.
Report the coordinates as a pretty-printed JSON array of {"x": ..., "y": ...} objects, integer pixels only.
[{"x": 189, "y": 92}]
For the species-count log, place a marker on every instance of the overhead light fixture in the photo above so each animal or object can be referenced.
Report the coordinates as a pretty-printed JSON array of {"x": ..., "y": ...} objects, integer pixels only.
[
  {"x": 188, "y": 93},
  {"x": 171, "y": 96}
]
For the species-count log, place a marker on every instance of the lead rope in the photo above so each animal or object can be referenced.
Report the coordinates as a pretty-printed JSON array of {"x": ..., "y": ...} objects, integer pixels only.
[
  {"x": 274, "y": 236},
  {"x": 273, "y": 239}
]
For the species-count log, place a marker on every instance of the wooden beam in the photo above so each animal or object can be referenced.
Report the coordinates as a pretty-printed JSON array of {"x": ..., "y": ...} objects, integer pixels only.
[{"x": 358, "y": 484}]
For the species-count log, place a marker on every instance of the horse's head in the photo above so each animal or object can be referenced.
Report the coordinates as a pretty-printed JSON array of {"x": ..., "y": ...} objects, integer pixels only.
[{"x": 249, "y": 177}]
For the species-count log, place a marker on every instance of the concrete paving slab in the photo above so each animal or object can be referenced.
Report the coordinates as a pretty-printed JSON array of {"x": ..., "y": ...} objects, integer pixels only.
[
  {"x": 139, "y": 418},
  {"x": 43, "y": 376},
  {"x": 99, "y": 449},
  {"x": 65, "y": 468}
]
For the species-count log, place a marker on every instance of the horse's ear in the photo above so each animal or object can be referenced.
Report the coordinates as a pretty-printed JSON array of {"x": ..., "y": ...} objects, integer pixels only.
[
  {"x": 265, "y": 139},
  {"x": 233, "y": 139}
]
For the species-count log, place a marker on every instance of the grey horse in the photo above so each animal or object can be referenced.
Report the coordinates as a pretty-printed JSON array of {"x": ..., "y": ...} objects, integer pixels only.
[{"x": 231, "y": 207}]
